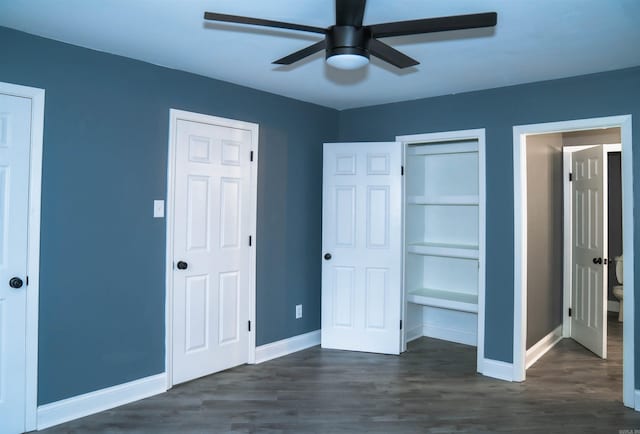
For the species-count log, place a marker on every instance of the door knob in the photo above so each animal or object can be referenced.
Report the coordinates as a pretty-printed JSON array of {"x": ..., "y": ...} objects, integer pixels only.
[
  {"x": 597, "y": 260},
  {"x": 15, "y": 283},
  {"x": 327, "y": 256},
  {"x": 182, "y": 265}
]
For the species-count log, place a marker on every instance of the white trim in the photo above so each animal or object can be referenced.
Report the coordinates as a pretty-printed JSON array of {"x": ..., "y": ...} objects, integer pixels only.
[
  {"x": 33, "y": 249},
  {"x": 520, "y": 255},
  {"x": 408, "y": 334},
  {"x": 612, "y": 147},
  {"x": 613, "y": 306},
  {"x": 520, "y": 243},
  {"x": 541, "y": 347},
  {"x": 444, "y": 136},
  {"x": 174, "y": 116},
  {"x": 104, "y": 399},
  {"x": 413, "y": 333},
  {"x": 253, "y": 227},
  {"x": 482, "y": 245},
  {"x": 287, "y": 346},
  {"x": 636, "y": 400},
  {"x": 497, "y": 369},
  {"x": 628, "y": 332},
  {"x": 567, "y": 256},
  {"x": 169, "y": 212},
  {"x": 465, "y": 337},
  {"x": 479, "y": 135}
]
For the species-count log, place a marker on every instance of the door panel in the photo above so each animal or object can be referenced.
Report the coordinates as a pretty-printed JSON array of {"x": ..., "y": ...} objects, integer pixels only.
[
  {"x": 229, "y": 307},
  {"x": 15, "y": 138},
  {"x": 589, "y": 218},
  {"x": 361, "y": 281},
  {"x": 211, "y": 234},
  {"x": 345, "y": 216}
]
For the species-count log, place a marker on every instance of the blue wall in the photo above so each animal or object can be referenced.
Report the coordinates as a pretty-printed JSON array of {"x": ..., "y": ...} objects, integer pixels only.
[
  {"x": 498, "y": 110},
  {"x": 105, "y": 158},
  {"x": 105, "y": 145}
]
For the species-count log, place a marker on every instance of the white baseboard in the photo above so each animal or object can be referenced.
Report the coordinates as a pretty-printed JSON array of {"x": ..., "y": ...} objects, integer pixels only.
[
  {"x": 613, "y": 306},
  {"x": 94, "y": 402},
  {"x": 497, "y": 369},
  {"x": 448, "y": 334},
  {"x": 542, "y": 346},
  {"x": 287, "y": 346},
  {"x": 413, "y": 333}
]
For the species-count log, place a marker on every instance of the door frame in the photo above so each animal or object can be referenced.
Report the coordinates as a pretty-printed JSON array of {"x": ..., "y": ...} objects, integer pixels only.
[
  {"x": 478, "y": 134},
  {"x": 567, "y": 155},
  {"x": 520, "y": 133},
  {"x": 33, "y": 249},
  {"x": 174, "y": 116}
]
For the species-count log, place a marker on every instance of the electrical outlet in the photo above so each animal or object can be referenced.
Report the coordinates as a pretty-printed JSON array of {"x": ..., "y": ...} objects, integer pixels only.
[
  {"x": 158, "y": 209},
  {"x": 298, "y": 311}
]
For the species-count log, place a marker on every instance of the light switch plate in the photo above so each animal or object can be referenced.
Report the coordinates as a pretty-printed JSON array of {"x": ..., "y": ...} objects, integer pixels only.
[
  {"x": 298, "y": 311},
  {"x": 158, "y": 209}
]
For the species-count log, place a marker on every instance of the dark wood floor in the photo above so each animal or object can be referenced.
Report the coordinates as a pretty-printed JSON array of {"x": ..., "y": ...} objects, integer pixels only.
[{"x": 432, "y": 387}]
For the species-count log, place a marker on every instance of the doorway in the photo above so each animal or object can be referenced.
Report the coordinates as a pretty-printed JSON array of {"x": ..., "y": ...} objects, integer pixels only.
[
  {"x": 445, "y": 238},
  {"x": 211, "y": 226},
  {"x": 521, "y": 237},
  {"x": 21, "y": 137}
]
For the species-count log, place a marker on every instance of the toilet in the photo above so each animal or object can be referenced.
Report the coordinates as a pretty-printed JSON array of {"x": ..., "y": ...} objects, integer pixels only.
[{"x": 617, "y": 290}]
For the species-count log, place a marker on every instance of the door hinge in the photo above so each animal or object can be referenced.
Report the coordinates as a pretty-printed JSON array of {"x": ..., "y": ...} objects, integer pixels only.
[
  {"x": 249, "y": 240},
  {"x": 249, "y": 325},
  {"x": 569, "y": 311},
  {"x": 400, "y": 324},
  {"x": 570, "y": 176},
  {"x": 251, "y": 156},
  {"x": 401, "y": 170}
]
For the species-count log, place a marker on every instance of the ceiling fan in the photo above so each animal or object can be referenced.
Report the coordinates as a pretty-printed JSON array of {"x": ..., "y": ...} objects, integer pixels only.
[{"x": 348, "y": 44}]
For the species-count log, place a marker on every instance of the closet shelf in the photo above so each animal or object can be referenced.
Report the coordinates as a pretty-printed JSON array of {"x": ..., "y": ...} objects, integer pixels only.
[
  {"x": 446, "y": 250},
  {"x": 444, "y": 299},
  {"x": 443, "y": 200}
]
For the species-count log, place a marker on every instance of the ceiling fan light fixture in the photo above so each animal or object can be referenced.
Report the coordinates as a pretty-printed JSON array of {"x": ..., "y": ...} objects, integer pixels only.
[
  {"x": 347, "y": 61},
  {"x": 347, "y": 47}
]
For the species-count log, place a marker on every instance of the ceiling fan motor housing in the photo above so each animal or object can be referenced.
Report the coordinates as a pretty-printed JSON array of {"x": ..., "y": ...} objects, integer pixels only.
[{"x": 347, "y": 40}]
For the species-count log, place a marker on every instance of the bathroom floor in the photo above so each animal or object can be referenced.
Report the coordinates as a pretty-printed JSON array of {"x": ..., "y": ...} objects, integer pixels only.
[{"x": 433, "y": 387}]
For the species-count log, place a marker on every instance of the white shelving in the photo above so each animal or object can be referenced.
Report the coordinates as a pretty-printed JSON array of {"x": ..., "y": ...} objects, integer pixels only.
[
  {"x": 442, "y": 226},
  {"x": 445, "y": 299},
  {"x": 444, "y": 250}
]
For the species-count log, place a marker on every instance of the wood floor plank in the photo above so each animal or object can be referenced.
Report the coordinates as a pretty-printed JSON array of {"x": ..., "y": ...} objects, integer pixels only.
[{"x": 432, "y": 388}]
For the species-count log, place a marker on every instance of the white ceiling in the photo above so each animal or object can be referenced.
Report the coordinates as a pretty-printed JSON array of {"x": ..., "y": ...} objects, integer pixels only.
[{"x": 534, "y": 40}]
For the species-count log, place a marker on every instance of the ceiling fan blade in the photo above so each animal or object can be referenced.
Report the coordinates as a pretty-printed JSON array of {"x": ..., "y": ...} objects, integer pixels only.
[
  {"x": 212, "y": 16},
  {"x": 350, "y": 12},
  {"x": 432, "y": 25},
  {"x": 301, "y": 54},
  {"x": 390, "y": 54}
]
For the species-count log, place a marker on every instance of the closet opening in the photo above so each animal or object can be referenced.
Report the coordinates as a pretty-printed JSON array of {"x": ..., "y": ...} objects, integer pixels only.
[{"x": 444, "y": 237}]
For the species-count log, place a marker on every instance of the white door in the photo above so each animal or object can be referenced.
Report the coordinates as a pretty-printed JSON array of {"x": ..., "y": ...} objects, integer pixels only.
[
  {"x": 589, "y": 219},
  {"x": 211, "y": 249},
  {"x": 15, "y": 139},
  {"x": 361, "y": 241}
]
